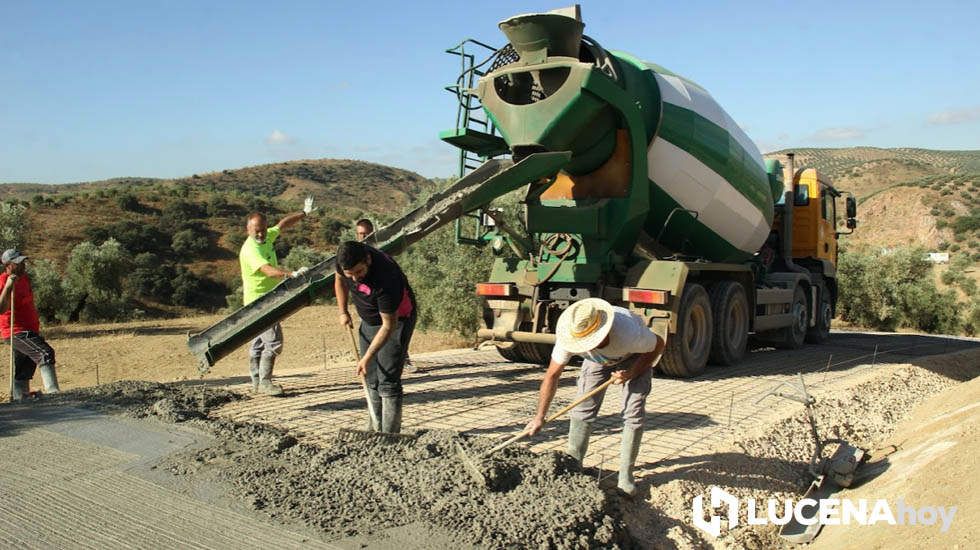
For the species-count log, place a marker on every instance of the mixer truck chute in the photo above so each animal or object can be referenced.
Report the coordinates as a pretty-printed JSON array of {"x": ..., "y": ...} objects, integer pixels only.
[{"x": 665, "y": 206}]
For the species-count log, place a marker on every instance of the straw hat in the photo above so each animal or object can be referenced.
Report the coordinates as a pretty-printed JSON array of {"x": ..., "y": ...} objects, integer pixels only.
[{"x": 584, "y": 325}]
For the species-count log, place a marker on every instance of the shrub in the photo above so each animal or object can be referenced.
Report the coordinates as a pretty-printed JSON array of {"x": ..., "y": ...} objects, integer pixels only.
[
  {"x": 136, "y": 237},
  {"x": 966, "y": 224},
  {"x": 50, "y": 296},
  {"x": 150, "y": 277},
  {"x": 235, "y": 299},
  {"x": 444, "y": 275},
  {"x": 302, "y": 255},
  {"x": 13, "y": 225},
  {"x": 177, "y": 214},
  {"x": 94, "y": 281},
  {"x": 187, "y": 242},
  {"x": 971, "y": 323},
  {"x": 887, "y": 291},
  {"x": 186, "y": 288},
  {"x": 235, "y": 239},
  {"x": 332, "y": 231},
  {"x": 129, "y": 202}
]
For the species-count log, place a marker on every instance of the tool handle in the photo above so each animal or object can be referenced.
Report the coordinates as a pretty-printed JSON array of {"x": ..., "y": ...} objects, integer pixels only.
[
  {"x": 508, "y": 443},
  {"x": 367, "y": 396},
  {"x": 12, "y": 362},
  {"x": 579, "y": 401},
  {"x": 353, "y": 340},
  {"x": 571, "y": 406}
]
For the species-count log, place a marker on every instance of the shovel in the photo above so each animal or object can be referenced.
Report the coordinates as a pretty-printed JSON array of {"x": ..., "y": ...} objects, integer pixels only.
[
  {"x": 375, "y": 420},
  {"x": 473, "y": 466},
  {"x": 349, "y": 434}
]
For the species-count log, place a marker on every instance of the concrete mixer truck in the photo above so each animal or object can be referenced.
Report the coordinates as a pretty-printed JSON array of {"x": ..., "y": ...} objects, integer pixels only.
[
  {"x": 637, "y": 188},
  {"x": 664, "y": 206}
]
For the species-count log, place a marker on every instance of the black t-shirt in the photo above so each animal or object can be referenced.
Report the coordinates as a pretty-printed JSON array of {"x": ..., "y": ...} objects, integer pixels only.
[{"x": 384, "y": 290}]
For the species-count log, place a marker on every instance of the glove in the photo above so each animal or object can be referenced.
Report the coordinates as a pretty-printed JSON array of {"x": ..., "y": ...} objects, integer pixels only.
[
  {"x": 299, "y": 272},
  {"x": 308, "y": 207}
]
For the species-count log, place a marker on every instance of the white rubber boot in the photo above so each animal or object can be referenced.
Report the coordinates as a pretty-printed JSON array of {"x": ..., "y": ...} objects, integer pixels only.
[
  {"x": 265, "y": 377},
  {"x": 50, "y": 379}
]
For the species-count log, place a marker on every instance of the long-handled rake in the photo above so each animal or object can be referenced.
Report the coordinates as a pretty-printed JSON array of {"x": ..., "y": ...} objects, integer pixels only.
[{"x": 474, "y": 464}]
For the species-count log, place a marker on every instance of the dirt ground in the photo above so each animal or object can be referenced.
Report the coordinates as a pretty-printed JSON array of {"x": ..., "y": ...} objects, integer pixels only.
[
  {"x": 157, "y": 350},
  {"x": 873, "y": 412}
]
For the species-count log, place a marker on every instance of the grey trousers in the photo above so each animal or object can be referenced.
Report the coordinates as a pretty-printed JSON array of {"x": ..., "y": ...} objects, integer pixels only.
[
  {"x": 634, "y": 396},
  {"x": 267, "y": 344},
  {"x": 384, "y": 372}
]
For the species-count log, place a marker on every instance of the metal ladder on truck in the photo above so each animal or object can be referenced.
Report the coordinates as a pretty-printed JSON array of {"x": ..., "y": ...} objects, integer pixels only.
[{"x": 476, "y": 137}]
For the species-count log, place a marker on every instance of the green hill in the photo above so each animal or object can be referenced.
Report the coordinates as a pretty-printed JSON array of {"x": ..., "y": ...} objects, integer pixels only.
[{"x": 208, "y": 212}]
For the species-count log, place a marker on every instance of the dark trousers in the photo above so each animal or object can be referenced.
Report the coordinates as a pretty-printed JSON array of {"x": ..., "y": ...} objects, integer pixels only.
[
  {"x": 384, "y": 373},
  {"x": 30, "y": 352}
]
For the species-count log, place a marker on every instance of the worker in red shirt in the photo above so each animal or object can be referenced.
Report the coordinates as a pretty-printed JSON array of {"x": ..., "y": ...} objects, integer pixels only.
[{"x": 30, "y": 349}]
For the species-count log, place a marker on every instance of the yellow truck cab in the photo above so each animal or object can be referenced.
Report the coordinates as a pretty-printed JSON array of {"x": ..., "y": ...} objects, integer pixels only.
[{"x": 814, "y": 217}]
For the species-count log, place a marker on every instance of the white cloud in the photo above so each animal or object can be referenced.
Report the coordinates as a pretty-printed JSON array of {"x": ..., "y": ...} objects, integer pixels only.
[
  {"x": 279, "y": 138},
  {"x": 955, "y": 116},
  {"x": 838, "y": 133}
]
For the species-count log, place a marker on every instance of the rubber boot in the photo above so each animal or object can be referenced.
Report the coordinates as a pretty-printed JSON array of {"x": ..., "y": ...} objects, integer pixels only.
[
  {"x": 21, "y": 389},
  {"x": 391, "y": 414},
  {"x": 375, "y": 405},
  {"x": 579, "y": 432},
  {"x": 50, "y": 379},
  {"x": 265, "y": 376},
  {"x": 627, "y": 458},
  {"x": 253, "y": 371}
]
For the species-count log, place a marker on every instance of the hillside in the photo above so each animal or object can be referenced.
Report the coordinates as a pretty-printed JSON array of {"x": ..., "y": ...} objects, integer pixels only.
[
  {"x": 145, "y": 214},
  {"x": 182, "y": 235},
  {"x": 907, "y": 196}
]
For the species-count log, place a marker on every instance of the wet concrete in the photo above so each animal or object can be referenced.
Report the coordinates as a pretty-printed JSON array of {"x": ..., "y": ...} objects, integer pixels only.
[
  {"x": 379, "y": 492},
  {"x": 359, "y": 487}
]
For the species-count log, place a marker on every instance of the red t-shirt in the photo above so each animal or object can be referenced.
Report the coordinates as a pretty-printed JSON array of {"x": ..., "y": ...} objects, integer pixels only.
[{"x": 25, "y": 314}]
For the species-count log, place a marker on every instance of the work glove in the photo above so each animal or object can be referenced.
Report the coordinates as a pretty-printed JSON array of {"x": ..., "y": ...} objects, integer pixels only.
[
  {"x": 308, "y": 207},
  {"x": 299, "y": 272}
]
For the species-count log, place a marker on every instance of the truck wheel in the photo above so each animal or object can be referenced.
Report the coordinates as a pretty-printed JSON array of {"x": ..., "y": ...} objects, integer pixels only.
[
  {"x": 525, "y": 352},
  {"x": 792, "y": 337},
  {"x": 820, "y": 332},
  {"x": 687, "y": 350},
  {"x": 730, "y": 311}
]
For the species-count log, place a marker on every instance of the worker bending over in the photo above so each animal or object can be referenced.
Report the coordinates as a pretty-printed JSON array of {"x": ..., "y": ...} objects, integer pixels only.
[
  {"x": 386, "y": 305},
  {"x": 614, "y": 342}
]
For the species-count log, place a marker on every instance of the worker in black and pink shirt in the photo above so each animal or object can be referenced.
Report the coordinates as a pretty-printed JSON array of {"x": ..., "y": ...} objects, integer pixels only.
[
  {"x": 386, "y": 305},
  {"x": 30, "y": 348}
]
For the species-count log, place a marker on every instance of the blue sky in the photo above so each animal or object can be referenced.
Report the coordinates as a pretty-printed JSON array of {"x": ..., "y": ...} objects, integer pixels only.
[{"x": 92, "y": 90}]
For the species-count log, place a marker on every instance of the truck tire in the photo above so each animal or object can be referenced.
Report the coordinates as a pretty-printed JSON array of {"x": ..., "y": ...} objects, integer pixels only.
[
  {"x": 820, "y": 332},
  {"x": 687, "y": 350},
  {"x": 730, "y": 312},
  {"x": 793, "y": 336},
  {"x": 526, "y": 352}
]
